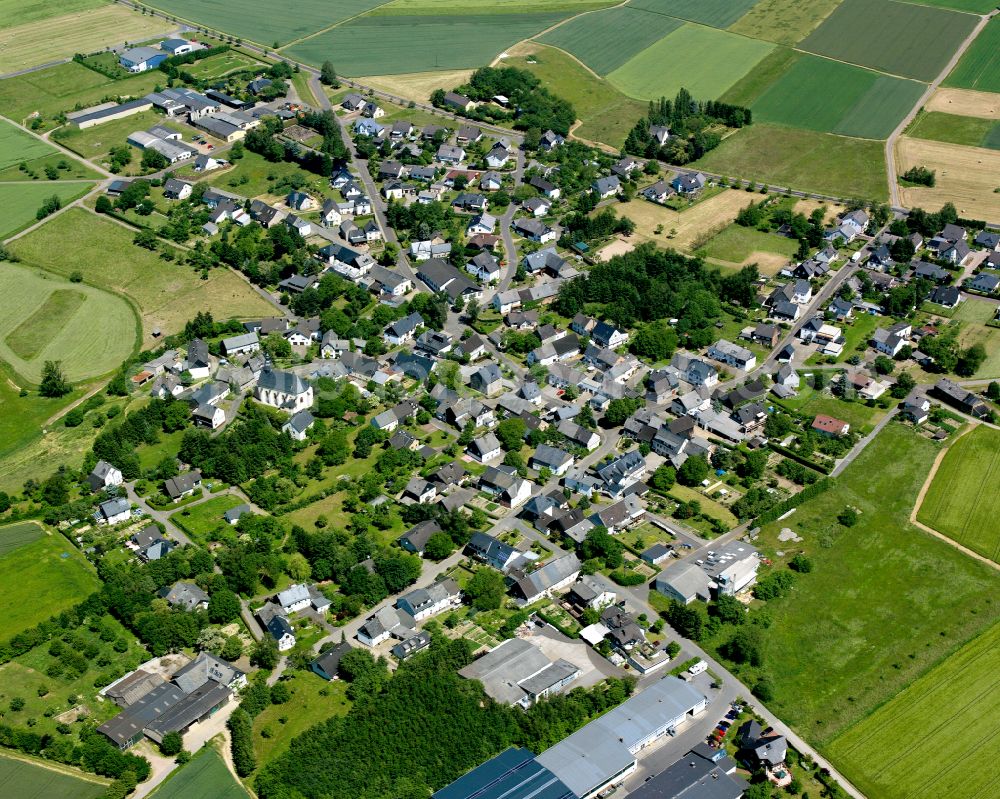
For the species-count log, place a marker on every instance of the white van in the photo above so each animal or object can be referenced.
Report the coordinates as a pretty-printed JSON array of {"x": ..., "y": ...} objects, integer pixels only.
[{"x": 698, "y": 668}]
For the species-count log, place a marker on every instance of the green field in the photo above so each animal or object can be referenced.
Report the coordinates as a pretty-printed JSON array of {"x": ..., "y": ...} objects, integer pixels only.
[
  {"x": 17, "y": 145},
  {"x": 666, "y": 66},
  {"x": 313, "y": 700},
  {"x": 39, "y": 581},
  {"x": 858, "y": 415},
  {"x": 204, "y": 520},
  {"x": 29, "y": 780},
  {"x": 937, "y": 738},
  {"x": 259, "y": 173},
  {"x": 736, "y": 243},
  {"x": 419, "y": 43},
  {"x": 166, "y": 294},
  {"x": 884, "y": 602},
  {"x": 921, "y": 42},
  {"x": 259, "y": 22},
  {"x": 44, "y": 317},
  {"x": 971, "y": 6},
  {"x": 216, "y": 66},
  {"x": 607, "y": 39},
  {"x": 783, "y": 21},
  {"x": 832, "y": 97},
  {"x": 21, "y": 202},
  {"x": 65, "y": 87},
  {"x": 962, "y": 501},
  {"x": 802, "y": 159},
  {"x": 717, "y": 13},
  {"x": 13, "y": 536},
  {"x": 204, "y": 777},
  {"x": 979, "y": 68},
  {"x": 437, "y": 7},
  {"x": 17, "y": 12},
  {"x": 955, "y": 129},
  {"x": 759, "y": 79},
  {"x": 606, "y": 115}
]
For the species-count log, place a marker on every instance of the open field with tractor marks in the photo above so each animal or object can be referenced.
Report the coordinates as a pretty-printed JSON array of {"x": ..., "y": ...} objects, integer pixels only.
[
  {"x": 966, "y": 176},
  {"x": 965, "y": 102},
  {"x": 783, "y": 21},
  {"x": 937, "y": 737},
  {"x": 961, "y": 502},
  {"x": 27, "y": 779},
  {"x": 21, "y": 201},
  {"x": 204, "y": 777},
  {"x": 921, "y": 43},
  {"x": 717, "y": 13},
  {"x": 980, "y": 66},
  {"x": 954, "y": 129}
]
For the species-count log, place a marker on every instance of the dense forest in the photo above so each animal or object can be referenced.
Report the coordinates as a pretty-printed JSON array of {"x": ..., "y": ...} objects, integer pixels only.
[
  {"x": 420, "y": 730},
  {"x": 693, "y": 128},
  {"x": 649, "y": 284}
]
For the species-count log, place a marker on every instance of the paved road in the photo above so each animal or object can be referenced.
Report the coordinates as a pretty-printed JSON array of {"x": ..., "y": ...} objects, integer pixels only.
[{"x": 890, "y": 143}]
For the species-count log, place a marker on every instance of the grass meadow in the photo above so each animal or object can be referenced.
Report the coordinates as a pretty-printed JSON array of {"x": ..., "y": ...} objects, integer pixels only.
[
  {"x": 17, "y": 12},
  {"x": 664, "y": 67},
  {"x": 259, "y": 22},
  {"x": 606, "y": 115},
  {"x": 51, "y": 575},
  {"x": 44, "y": 317},
  {"x": 938, "y": 737},
  {"x": 961, "y": 501},
  {"x": 27, "y": 779},
  {"x": 783, "y": 21},
  {"x": 922, "y": 41},
  {"x": 802, "y": 159},
  {"x": 65, "y": 87},
  {"x": 435, "y": 7},
  {"x": 979, "y": 68},
  {"x": 955, "y": 129},
  {"x": 386, "y": 45},
  {"x": 832, "y": 97},
  {"x": 313, "y": 700},
  {"x": 96, "y": 142},
  {"x": 166, "y": 294},
  {"x": 204, "y": 777},
  {"x": 14, "y": 536},
  {"x": 884, "y": 603},
  {"x": 21, "y": 201},
  {"x": 605, "y": 40},
  {"x": 16, "y": 146},
  {"x": 736, "y": 244},
  {"x": 83, "y": 31}
]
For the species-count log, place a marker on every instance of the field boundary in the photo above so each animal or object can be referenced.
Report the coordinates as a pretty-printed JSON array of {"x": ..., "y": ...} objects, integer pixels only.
[
  {"x": 59, "y": 768},
  {"x": 921, "y": 495}
]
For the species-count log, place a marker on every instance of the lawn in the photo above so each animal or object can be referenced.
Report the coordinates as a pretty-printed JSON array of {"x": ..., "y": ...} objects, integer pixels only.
[
  {"x": 204, "y": 520},
  {"x": 607, "y": 39},
  {"x": 661, "y": 69},
  {"x": 828, "y": 96},
  {"x": 708, "y": 505},
  {"x": 216, "y": 66},
  {"x": 802, "y": 159},
  {"x": 80, "y": 31},
  {"x": 717, "y": 13},
  {"x": 17, "y": 146},
  {"x": 65, "y": 87},
  {"x": 22, "y": 200},
  {"x": 979, "y": 68},
  {"x": 251, "y": 20},
  {"x": 961, "y": 502},
  {"x": 204, "y": 777},
  {"x": 45, "y": 317},
  {"x": 922, "y": 41},
  {"x": 857, "y": 333},
  {"x": 884, "y": 602},
  {"x": 387, "y": 45},
  {"x": 313, "y": 700},
  {"x": 42, "y": 578},
  {"x": 253, "y": 176},
  {"x": 810, "y": 402},
  {"x": 955, "y": 129},
  {"x": 166, "y": 294},
  {"x": 783, "y": 21},
  {"x": 737, "y": 244},
  {"x": 891, "y": 753},
  {"x": 27, "y": 779},
  {"x": 606, "y": 115}
]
